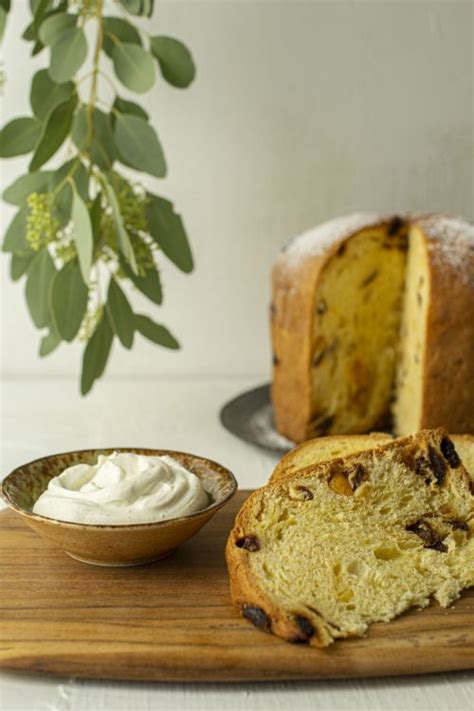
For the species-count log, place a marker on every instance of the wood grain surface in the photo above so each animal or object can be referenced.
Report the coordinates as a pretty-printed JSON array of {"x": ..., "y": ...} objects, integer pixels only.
[{"x": 172, "y": 621}]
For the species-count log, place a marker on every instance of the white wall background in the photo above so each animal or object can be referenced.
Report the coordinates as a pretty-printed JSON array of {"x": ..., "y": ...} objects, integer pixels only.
[{"x": 301, "y": 111}]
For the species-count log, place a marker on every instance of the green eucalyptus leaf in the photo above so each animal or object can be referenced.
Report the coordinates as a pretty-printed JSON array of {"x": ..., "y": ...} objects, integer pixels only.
[
  {"x": 103, "y": 150},
  {"x": 68, "y": 55},
  {"x": 20, "y": 264},
  {"x": 49, "y": 343},
  {"x": 3, "y": 21},
  {"x": 134, "y": 7},
  {"x": 38, "y": 287},
  {"x": 64, "y": 198},
  {"x": 69, "y": 300},
  {"x": 29, "y": 34},
  {"x": 133, "y": 66},
  {"x": 15, "y": 237},
  {"x": 82, "y": 235},
  {"x": 118, "y": 30},
  {"x": 37, "y": 48},
  {"x": 95, "y": 214},
  {"x": 18, "y": 191},
  {"x": 34, "y": 5},
  {"x": 96, "y": 354},
  {"x": 167, "y": 229},
  {"x": 63, "y": 204},
  {"x": 79, "y": 128},
  {"x": 120, "y": 314},
  {"x": 81, "y": 180},
  {"x": 19, "y": 136},
  {"x": 155, "y": 332},
  {"x": 45, "y": 94},
  {"x": 149, "y": 283},
  {"x": 38, "y": 13},
  {"x": 62, "y": 6},
  {"x": 122, "y": 106},
  {"x": 175, "y": 60},
  {"x": 147, "y": 7},
  {"x": 138, "y": 144},
  {"x": 54, "y": 26},
  {"x": 123, "y": 239},
  {"x": 55, "y": 131}
]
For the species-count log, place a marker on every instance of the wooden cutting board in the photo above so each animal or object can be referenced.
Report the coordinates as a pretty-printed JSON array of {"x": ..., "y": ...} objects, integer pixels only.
[{"x": 172, "y": 620}]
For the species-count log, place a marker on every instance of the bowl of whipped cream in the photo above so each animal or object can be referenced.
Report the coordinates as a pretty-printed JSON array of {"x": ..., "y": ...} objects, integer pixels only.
[{"x": 122, "y": 506}]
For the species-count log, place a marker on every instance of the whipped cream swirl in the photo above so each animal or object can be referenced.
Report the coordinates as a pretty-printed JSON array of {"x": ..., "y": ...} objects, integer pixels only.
[{"x": 123, "y": 488}]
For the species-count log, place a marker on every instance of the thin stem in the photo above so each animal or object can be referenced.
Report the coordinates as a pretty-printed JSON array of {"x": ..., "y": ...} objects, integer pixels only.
[
  {"x": 100, "y": 73},
  {"x": 83, "y": 78},
  {"x": 95, "y": 74},
  {"x": 102, "y": 102},
  {"x": 109, "y": 107},
  {"x": 67, "y": 178},
  {"x": 109, "y": 80}
]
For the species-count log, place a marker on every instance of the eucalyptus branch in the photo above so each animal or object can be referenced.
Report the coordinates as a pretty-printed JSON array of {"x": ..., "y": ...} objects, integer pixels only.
[
  {"x": 83, "y": 215},
  {"x": 109, "y": 81}
]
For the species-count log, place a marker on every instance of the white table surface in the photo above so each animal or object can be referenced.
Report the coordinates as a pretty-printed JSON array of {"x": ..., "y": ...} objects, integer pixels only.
[{"x": 44, "y": 416}]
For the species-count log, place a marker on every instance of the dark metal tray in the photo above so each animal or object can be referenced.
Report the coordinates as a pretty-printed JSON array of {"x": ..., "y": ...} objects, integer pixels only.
[{"x": 249, "y": 416}]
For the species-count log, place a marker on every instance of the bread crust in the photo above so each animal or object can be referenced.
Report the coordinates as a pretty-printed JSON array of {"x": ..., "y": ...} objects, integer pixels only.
[
  {"x": 449, "y": 352},
  {"x": 291, "y": 329},
  {"x": 294, "y": 286},
  {"x": 287, "y": 463},
  {"x": 245, "y": 591}
]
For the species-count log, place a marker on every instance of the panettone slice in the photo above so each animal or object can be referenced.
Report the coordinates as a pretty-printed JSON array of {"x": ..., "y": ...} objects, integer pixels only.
[{"x": 325, "y": 553}]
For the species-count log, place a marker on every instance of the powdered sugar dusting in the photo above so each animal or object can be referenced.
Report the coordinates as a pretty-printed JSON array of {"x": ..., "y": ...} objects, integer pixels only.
[
  {"x": 317, "y": 241},
  {"x": 452, "y": 242}
]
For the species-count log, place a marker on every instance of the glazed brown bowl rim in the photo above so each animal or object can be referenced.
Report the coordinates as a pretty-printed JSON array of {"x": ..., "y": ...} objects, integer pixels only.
[{"x": 146, "y": 451}]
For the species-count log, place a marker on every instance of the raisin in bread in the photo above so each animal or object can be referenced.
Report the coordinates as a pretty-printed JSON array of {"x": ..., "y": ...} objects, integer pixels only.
[
  {"x": 324, "y": 553},
  {"x": 323, "y": 449},
  {"x": 370, "y": 314}
]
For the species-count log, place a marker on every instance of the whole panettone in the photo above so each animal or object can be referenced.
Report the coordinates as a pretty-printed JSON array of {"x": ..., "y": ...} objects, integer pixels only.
[{"x": 373, "y": 326}]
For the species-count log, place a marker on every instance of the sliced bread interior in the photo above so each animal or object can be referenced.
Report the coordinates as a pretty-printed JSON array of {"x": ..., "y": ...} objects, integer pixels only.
[
  {"x": 353, "y": 362},
  {"x": 324, "y": 553},
  {"x": 408, "y": 403}
]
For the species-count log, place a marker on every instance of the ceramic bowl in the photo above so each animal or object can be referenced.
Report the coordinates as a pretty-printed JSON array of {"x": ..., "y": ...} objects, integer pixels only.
[{"x": 128, "y": 544}]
